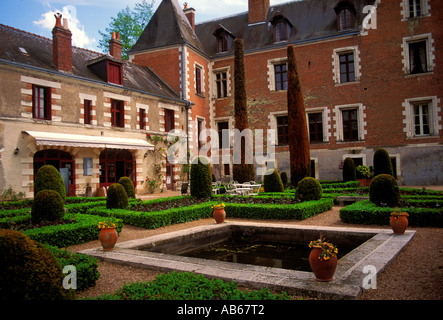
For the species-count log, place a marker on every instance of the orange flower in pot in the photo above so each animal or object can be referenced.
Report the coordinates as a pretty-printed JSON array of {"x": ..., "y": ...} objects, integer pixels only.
[
  {"x": 108, "y": 235},
  {"x": 399, "y": 222},
  {"x": 323, "y": 259}
]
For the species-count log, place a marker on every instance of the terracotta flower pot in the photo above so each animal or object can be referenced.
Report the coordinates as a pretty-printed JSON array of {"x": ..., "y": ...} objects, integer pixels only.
[
  {"x": 399, "y": 224},
  {"x": 108, "y": 238},
  {"x": 219, "y": 215},
  {"x": 323, "y": 269}
]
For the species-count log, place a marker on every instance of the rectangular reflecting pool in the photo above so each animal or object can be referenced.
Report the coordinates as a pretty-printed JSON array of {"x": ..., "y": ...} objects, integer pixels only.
[{"x": 276, "y": 255}]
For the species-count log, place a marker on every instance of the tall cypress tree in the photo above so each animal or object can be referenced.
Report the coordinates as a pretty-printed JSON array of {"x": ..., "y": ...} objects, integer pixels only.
[
  {"x": 300, "y": 161},
  {"x": 242, "y": 172}
]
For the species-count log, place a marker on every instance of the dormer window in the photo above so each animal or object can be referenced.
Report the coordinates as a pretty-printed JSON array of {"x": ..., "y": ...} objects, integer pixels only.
[
  {"x": 345, "y": 16},
  {"x": 115, "y": 73},
  {"x": 108, "y": 69},
  {"x": 224, "y": 39},
  {"x": 282, "y": 28}
]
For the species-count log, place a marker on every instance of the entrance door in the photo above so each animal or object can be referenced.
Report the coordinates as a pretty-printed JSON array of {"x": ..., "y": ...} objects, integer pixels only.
[
  {"x": 62, "y": 161},
  {"x": 115, "y": 164}
]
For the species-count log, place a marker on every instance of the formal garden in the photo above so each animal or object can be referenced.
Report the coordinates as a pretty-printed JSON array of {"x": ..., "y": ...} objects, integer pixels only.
[{"x": 34, "y": 232}]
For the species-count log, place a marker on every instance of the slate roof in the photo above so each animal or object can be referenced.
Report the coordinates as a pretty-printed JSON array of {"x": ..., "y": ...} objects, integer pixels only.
[
  {"x": 30, "y": 50},
  {"x": 168, "y": 26},
  {"x": 311, "y": 20}
]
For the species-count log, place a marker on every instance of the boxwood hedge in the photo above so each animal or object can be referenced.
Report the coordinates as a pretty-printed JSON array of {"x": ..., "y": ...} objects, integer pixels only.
[{"x": 366, "y": 212}]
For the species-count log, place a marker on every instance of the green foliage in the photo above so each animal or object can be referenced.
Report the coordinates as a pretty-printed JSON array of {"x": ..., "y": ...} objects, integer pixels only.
[
  {"x": 363, "y": 172},
  {"x": 384, "y": 191},
  {"x": 116, "y": 197},
  {"x": 272, "y": 182},
  {"x": 48, "y": 205},
  {"x": 48, "y": 177},
  {"x": 382, "y": 163},
  {"x": 130, "y": 24},
  {"x": 86, "y": 266},
  {"x": 201, "y": 179},
  {"x": 127, "y": 183},
  {"x": 28, "y": 271},
  {"x": 349, "y": 172},
  {"x": 284, "y": 178},
  {"x": 188, "y": 286},
  {"x": 309, "y": 189},
  {"x": 368, "y": 213},
  {"x": 299, "y": 153}
]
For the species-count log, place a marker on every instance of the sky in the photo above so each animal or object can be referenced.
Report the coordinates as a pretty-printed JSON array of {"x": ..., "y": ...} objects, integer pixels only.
[{"x": 87, "y": 17}]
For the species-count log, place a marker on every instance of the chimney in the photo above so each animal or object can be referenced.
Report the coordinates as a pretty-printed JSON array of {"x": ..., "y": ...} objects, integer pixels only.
[
  {"x": 115, "y": 46},
  {"x": 258, "y": 11},
  {"x": 190, "y": 14},
  {"x": 61, "y": 44}
]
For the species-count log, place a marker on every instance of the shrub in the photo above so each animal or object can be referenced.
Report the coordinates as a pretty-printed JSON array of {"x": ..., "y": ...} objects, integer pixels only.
[
  {"x": 309, "y": 189},
  {"x": 188, "y": 286},
  {"x": 28, "y": 271},
  {"x": 48, "y": 205},
  {"x": 384, "y": 191},
  {"x": 284, "y": 178},
  {"x": 201, "y": 178},
  {"x": 382, "y": 163},
  {"x": 48, "y": 177},
  {"x": 117, "y": 197},
  {"x": 272, "y": 182},
  {"x": 127, "y": 183},
  {"x": 349, "y": 173}
]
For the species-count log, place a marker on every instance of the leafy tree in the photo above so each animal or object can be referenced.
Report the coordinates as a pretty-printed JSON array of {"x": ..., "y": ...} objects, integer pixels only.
[
  {"x": 300, "y": 161},
  {"x": 130, "y": 24},
  {"x": 242, "y": 172}
]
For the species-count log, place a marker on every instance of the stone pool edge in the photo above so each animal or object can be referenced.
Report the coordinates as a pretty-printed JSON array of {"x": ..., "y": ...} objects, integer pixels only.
[{"x": 348, "y": 281}]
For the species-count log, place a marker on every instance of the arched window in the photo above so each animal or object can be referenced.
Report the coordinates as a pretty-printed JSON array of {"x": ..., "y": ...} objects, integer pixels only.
[
  {"x": 282, "y": 28},
  {"x": 115, "y": 164},
  {"x": 345, "y": 19},
  {"x": 62, "y": 161}
]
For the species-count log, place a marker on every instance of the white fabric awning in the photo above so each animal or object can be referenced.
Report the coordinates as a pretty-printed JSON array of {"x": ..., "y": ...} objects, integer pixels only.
[{"x": 84, "y": 141}]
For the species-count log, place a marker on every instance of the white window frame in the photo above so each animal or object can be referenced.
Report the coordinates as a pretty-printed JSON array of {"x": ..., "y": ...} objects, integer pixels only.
[
  {"x": 425, "y": 9},
  {"x": 272, "y": 124},
  {"x": 430, "y": 53},
  {"x": 325, "y": 121},
  {"x": 434, "y": 118},
  {"x": 271, "y": 72},
  {"x": 336, "y": 64},
  {"x": 338, "y": 119},
  {"x": 228, "y": 82},
  {"x": 202, "y": 80}
]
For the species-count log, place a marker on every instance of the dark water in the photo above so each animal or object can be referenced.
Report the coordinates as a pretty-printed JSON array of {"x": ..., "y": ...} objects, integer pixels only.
[{"x": 286, "y": 256}]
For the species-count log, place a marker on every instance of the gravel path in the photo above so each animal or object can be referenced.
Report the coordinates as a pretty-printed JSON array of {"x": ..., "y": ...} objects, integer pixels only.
[{"x": 415, "y": 274}]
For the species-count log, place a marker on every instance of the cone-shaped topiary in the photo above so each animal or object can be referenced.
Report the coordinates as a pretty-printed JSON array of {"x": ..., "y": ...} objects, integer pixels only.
[
  {"x": 116, "y": 197},
  {"x": 309, "y": 189},
  {"x": 127, "y": 183},
  {"x": 299, "y": 153},
  {"x": 48, "y": 177},
  {"x": 349, "y": 171},
  {"x": 284, "y": 178},
  {"x": 272, "y": 182},
  {"x": 28, "y": 271},
  {"x": 48, "y": 205},
  {"x": 201, "y": 179},
  {"x": 384, "y": 191},
  {"x": 382, "y": 163}
]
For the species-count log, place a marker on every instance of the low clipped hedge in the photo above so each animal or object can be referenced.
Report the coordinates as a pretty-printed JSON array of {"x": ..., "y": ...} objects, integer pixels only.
[
  {"x": 366, "y": 212},
  {"x": 157, "y": 219}
]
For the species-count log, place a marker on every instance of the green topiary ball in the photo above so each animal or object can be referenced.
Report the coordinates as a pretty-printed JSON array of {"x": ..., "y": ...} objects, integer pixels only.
[
  {"x": 201, "y": 178},
  {"x": 127, "y": 183},
  {"x": 272, "y": 182},
  {"x": 117, "y": 197},
  {"x": 309, "y": 189},
  {"x": 48, "y": 178},
  {"x": 349, "y": 172},
  {"x": 384, "y": 191},
  {"x": 48, "y": 205},
  {"x": 382, "y": 163},
  {"x": 28, "y": 271}
]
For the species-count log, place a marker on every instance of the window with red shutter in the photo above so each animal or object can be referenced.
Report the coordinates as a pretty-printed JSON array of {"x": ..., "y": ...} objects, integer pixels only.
[
  {"x": 117, "y": 113},
  {"x": 41, "y": 103},
  {"x": 115, "y": 73}
]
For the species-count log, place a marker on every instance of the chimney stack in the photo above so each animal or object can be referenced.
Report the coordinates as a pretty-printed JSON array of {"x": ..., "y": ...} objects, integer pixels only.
[
  {"x": 258, "y": 11},
  {"x": 61, "y": 44},
  {"x": 190, "y": 14},
  {"x": 115, "y": 46}
]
